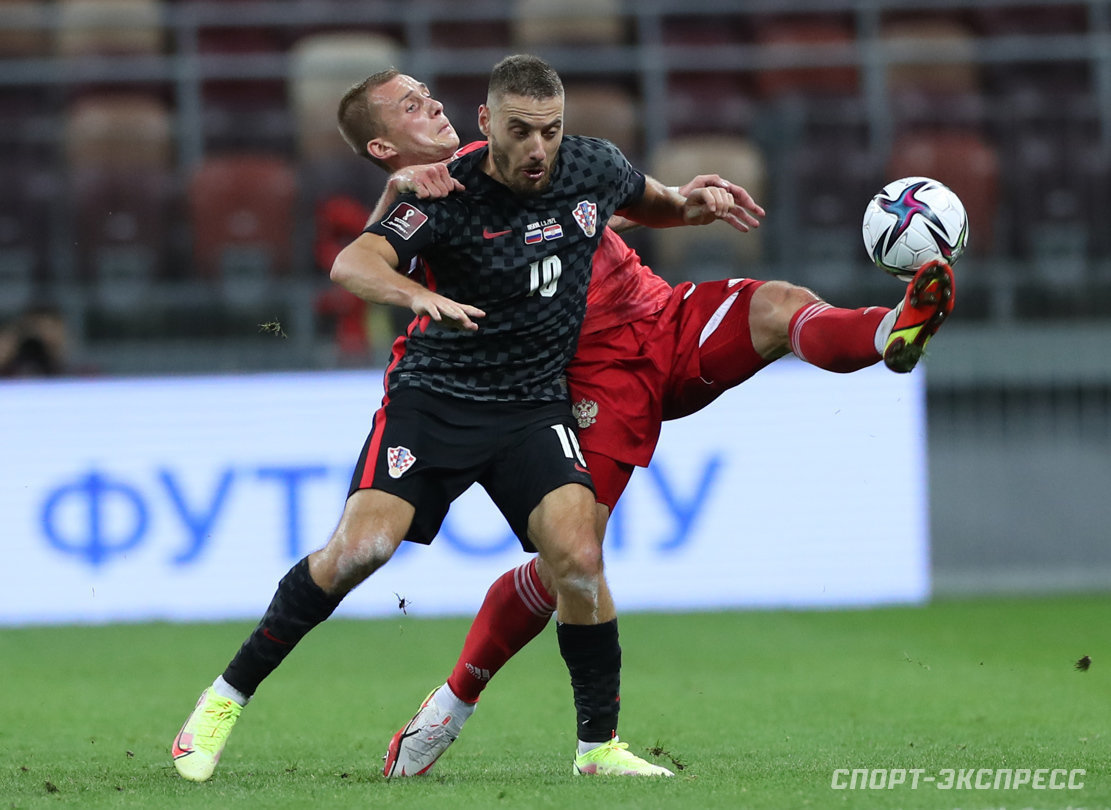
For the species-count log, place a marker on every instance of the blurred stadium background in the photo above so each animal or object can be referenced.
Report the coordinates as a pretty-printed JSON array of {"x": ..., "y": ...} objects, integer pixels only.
[{"x": 172, "y": 179}]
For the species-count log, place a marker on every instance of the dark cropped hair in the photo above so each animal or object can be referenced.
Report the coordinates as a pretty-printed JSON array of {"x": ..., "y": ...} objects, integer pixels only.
[{"x": 523, "y": 75}]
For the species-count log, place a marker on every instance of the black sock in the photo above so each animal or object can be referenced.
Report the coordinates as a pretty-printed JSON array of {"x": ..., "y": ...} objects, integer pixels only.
[
  {"x": 593, "y": 658},
  {"x": 299, "y": 605}
]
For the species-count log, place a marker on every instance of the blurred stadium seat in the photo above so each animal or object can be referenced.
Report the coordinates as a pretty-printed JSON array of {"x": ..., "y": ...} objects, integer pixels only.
[
  {"x": 706, "y": 29},
  {"x": 120, "y": 190},
  {"x": 122, "y": 220},
  {"x": 700, "y": 103},
  {"x": 930, "y": 55},
  {"x": 239, "y": 113},
  {"x": 1059, "y": 181},
  {"x": 1037, "y": 81},
  {"x": 118, "y": 130},
  {"x": 25, "y": 220},
  {"x": 933, "y": 79},
  {"x": 322, "y": 68},
  {"x": 342, "y": 176},
  {"x": 1061, "y": 227},
  {"x": 470, "y": 34},
  {"x": 26, "y": 119},
  {"x": 1031, "y": 19},
  {"x": 833, "y": 35},
  {"x": 536, "y": 23},
  {"x": 832, "y": 180},
  {"x": 241, "y": 211},
  {"x": 914, "y": 109},
  {"x": 23, "y": 31},
  {"x": 604, "y": 111},
  {"x": 109, "y": 27},
  {"x": 716, "y": 250}
]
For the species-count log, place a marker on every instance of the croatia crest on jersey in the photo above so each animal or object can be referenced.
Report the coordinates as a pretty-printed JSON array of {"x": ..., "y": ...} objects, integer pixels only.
[
  {"x": 399, "y": 460},
  {"x": 586, "y": 214}
]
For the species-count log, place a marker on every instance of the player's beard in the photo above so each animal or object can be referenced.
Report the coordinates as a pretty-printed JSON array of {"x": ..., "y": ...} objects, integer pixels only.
[{"x": 515, "y": 181}]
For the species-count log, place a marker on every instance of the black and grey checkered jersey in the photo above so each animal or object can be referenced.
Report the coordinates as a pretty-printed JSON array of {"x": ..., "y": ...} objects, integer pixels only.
[{"x": 524, "y": 260}]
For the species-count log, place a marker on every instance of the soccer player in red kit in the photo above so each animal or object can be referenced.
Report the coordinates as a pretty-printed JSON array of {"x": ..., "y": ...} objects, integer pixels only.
[{"x": 647, "y": 352}]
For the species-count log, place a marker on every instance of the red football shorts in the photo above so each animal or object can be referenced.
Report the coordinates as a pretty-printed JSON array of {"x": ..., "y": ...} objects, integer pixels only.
[{"x": 626, "y": 380}]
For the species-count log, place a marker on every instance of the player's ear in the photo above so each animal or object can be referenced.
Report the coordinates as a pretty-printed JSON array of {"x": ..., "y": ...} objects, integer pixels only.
[
  {"x": 381, "y": 149},
  {"x": 484, "y": 120}
]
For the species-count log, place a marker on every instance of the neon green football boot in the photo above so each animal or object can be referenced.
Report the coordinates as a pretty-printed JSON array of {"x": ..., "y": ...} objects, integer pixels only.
[
  {"x": 614, "y": 759},
  {"x": 198, "y": 745}
]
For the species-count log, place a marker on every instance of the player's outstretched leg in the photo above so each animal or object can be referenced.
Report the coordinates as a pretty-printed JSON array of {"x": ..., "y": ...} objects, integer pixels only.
[
  {"x": 415, "y": 748},
  {"x": 198, "y": 745},
  {"x": 614, "y": 759},
  {"x": 928, "y": 301}
]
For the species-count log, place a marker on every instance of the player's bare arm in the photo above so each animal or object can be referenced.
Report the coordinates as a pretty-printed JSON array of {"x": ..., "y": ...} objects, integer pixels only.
[
  {"x": 428, "y": 181},
  {"x": 368, "y": 268},
  {"x": 620, "y": 224},
  {"x": 665, "y": 207},
  {"x": 742, "y": 200}
]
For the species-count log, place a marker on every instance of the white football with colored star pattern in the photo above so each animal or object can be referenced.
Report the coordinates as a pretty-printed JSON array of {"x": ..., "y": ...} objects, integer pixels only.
[{"x": 913, "y": 221}]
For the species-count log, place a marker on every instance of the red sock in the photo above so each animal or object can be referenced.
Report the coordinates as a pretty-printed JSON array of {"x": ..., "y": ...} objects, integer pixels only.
[
  {"x": 840, "y": 340},
  {"x": 516, "y": 608}
]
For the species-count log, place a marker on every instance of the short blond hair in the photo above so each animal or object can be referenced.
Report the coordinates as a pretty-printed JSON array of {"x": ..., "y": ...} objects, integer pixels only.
[{"x": 359, "y": 121}]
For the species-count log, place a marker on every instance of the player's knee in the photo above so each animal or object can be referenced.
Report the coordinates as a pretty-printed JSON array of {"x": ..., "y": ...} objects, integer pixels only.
[
  {"x": 580, "y": 566},
  {"x": 369, "y": 554},
  {"x": 348, "y": 560},
  {"x": 770, "y": 313}
]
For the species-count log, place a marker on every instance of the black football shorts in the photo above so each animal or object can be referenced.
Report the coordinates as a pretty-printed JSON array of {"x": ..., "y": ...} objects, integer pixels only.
[{"x": 429, "y": 448}]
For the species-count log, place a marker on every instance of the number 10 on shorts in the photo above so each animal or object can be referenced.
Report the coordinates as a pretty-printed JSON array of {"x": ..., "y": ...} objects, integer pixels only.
[{"x": 570, "y": 443}]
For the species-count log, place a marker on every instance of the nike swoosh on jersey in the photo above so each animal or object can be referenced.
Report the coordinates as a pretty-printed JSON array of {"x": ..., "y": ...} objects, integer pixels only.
[{"x": 489, "y": 234}]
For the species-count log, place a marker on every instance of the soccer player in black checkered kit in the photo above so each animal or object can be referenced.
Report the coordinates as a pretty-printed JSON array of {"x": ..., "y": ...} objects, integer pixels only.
[{"x": 474, "y": 394}]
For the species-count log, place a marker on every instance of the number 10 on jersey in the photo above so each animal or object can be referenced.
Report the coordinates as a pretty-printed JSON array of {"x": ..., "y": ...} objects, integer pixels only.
[{"x": 544, "y": 276}]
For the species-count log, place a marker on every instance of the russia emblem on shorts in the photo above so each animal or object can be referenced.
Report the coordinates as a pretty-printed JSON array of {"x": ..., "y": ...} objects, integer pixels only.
[
  {"x": 400, "y": 459},
  {"x": 585, "y": 412},
  {"x": 586, "y": 214}
]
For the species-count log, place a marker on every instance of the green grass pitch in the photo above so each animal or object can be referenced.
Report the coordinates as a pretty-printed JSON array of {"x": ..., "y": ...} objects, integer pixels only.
[{"x": 759, "y": 708}]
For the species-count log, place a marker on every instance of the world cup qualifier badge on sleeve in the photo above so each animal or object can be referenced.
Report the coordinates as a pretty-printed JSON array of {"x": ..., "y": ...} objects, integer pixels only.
[{"x": 404, "y": 220}]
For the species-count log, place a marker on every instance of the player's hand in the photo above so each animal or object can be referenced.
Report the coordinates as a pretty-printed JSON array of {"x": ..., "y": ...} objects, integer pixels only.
[
  {"x": 711, "y": 197},
  {"x": 446, "y": 312},
  {"x": 430, "y": 181}
]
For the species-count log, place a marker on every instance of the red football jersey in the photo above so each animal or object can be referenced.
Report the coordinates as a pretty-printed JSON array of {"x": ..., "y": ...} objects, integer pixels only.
[{"x": 622, "y": 290}]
